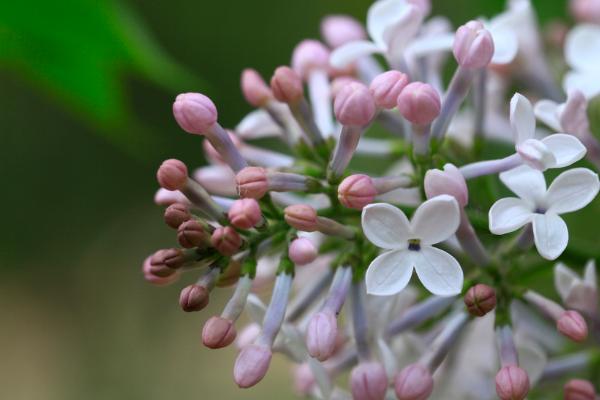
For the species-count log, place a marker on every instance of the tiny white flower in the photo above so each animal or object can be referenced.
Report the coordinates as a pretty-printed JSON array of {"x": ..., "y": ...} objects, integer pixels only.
[
  {"x": 554, "y": 151},
  {"x": 570, "y": 191},
  {"x": 582, "y": 53},
  {"x": 410, "y": 246},
  {"x": 576, "y": 292}
]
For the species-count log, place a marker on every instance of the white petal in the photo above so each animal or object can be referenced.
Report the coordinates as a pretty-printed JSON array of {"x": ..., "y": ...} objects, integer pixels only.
[
  {"x": 572, "y": 190},
  {"x": 547, "y": 112},
  {"x": 258, "y": 124},
  {"x": 389, "y": 273},
  {"x": 436, "y": 220},
  {"x": 438, "y": 271},
  {"x": 588, "y": 82},
  {"x": 589, "y": 275},
  {"x": 564, "y": 279},
  {"x": 582, "y": 47},
  {"x": 347, "y": 54},
  {"x": 567, "y": 149},
  {"x": 385, "y": 226},
  {"x": 398, "y": 35},
  {"x": 506, "y": 45},
  {"x": 526, "y": 182},
  {"x": 382, "y": 14},
  {"x": 532, "y": 358},
  {"x": 551, "y": 235},
  {"x": 536, "y": 154},
  {"x": 423, "y": 46},
  {"x": 508, "y": 215},
  {"x": 522, "y": 119}
]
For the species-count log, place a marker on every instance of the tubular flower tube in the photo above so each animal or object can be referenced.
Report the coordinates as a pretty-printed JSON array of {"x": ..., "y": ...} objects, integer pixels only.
[{"x": 369, "y": 182}]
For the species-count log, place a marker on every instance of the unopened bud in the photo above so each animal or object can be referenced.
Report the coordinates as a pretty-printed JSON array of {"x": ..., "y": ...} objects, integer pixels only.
[
  {"x": 172, "y": 174},
  {"x": 254, "y": 88},
  {"x": 252, "y": 182},
  {"x": 176, "y": 214},
  {"x": 226, "y": 240},
  {"x": 321, "y": 335},
  {"x": 337, "y": 30},
  {"x": 473, "y": 45},
  {"x": 251, "y": 365},
  {"x": 414, "y": 382},
  {"x": 386, "y": 88},
  {"x": 354, "y": 105},
  {"x": 287, "y": 85},
  {"x": 193, "y": 298},
  {"x": 195, "y": 112},
  {"x": 448, "y": 181},
  {"x": 512, "y": 383},
  {"x": 572, "y": 325},
  {"x": 480, "y": 300},
  {"x": 218, "y": 332},
  {"x": 191, "y": 233},
  {"x": 309, "y": 55},
  {"x": 419, "y": 103},
  {"x": 579, "y": 389},
  {"x": 586, "y": 10},
  {"x": 302, "y": 251},
  {"x": 368, "y": 381},
  {"x": 245, "y": 213},
  {"x": 357, "y": 191},
  {"x": 302, "y": 217},
  {"x": 171, "y": 258},
  {"x": 156, "y": 279}
]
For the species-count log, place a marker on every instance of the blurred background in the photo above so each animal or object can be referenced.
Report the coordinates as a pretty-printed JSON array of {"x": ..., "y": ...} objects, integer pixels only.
[{"x": 86, "y": 89}]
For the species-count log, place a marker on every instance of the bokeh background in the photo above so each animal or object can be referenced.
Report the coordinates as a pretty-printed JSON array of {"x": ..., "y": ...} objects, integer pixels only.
[{"x": 86, "y": 88}]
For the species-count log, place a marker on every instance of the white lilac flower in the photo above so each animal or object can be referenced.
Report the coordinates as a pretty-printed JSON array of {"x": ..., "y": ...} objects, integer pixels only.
[
  {"x": 554, "y": 151},
  {"x": 582, "y": 53},
  {"x": 410, "y": 245},
  {"x": 570, "y": 191},
  {"x": 577, "y": 292}
]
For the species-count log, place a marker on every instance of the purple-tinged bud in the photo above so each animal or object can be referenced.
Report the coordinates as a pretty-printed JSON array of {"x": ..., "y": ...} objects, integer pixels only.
[
  {"x": 354, "y": 105},
  {"x": 579, "y": 389},
  {"x": 572, "y": 325},
  {"x": 414, "y": 382},
  {"x": 321, "y": 335},
  {"x": 191, "y": 233},
  {"x": 226, "y": 240},
  {"x": 337, "y": 30},
  {"x": 304, "y": 379},
  {"x": 386, "y": 88},
  {"x": 172, "y": 174},
  {"x": 245, "y": 213},
  {"x": 368, "y": 381},
  {"x": 512, "y": 383},
  {"x": 251, "y": 365},
  {"x": 195, "y": 112},
  {"x": 480, "y": 300},
  {"x": 586, "y": 10},
  {"x": 193, "y": 298},
  {"x": 357, "y": 191},
  {"x": 155, "y": 279},
  {"x": 473, "y": 46},
  {"x": 302, "y": 217},
  {"x": 252, "y": 182},
  {"x": 302, "y": 251},
  {"x": 247, "y": 335},
  {"x": 449, "y": 181},
  {"x": 308, "y": 55},
  {"x": 171, "y": 258},
  {"x": 287, "y": 85},
  {"x": 218, "y": 332},
  {"x": 164, "y": 197},
  {"x": 419, "y": 103},
  {"x": 255, "y": 89},
  {"x": 176, "y": 214}
]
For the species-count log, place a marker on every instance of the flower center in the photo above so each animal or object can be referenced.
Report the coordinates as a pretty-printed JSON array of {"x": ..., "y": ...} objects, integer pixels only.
[
  {"x": 414, "y": 244},
  {"x": 540, "y": 210}
]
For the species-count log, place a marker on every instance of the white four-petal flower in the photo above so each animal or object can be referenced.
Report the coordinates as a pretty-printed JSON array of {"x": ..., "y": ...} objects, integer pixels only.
[
  {"x": 578, "y": 293},
  {"x": 410, "y": 246},
  {"x": 554, "y": 151},
  {"x": 582, "y": 53},
  {"x": 570, "y": 191}
]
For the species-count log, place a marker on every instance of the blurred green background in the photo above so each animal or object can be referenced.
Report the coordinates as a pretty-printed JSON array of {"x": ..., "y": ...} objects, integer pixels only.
[{"x": 85, "y": 118}]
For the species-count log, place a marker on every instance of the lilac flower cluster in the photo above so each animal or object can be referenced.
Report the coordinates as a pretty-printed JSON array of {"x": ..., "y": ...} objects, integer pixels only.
[{"x": 319, "y": 218}]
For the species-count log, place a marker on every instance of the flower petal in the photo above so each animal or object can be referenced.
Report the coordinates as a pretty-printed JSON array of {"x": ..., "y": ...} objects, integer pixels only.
[
  {"x": 423, "y": 46},
  {"x": 389, "y": 273},
  {"x": 567, "y": 149},
  {"x": 585, "y": 81},
  {"x": 383, "y": 14},
  {"x": 564, "y": 279},
  {"x": 435, "y": 220},
  {"x": 506, "y": 45},
  {"x": 551, "y": 235},
  {"x": 345, "y": 55},
  {"x": 258, "y": 124},
  {"x": 572, "y": 190},
  {"x": 532, "y": 358},
  {"x": 386, "y": 226},
  {"x": 582, "y": 47},
  {"x": 526, "y": 182},
  {"x": 398, "y": 35},
  {"x": 508, "y": 215},
  {"x": 522, "y": 119},
  {"x": 536, "y": 154},
  {"x": 438, "y": 271},
  {"x": 589, "y": 275},
  {"x": 547, "y": 112}
]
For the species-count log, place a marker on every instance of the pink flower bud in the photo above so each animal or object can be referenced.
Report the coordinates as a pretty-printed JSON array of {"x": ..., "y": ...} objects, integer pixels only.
[
  {"x": 302, "y": 217},
  {"x": 357, "y": 191},
  {"x": 304, "y": 380},
  {"x": 368, "y": 381},
  {"x": 171, "y": 258},
  {"x": 155, "y": 279},
  {"x": 419, "y": 103},
  {"x": 302, "y": 251},
  {"x": 512, "y": 383},
  {"x": 308, "y": 55},
  {"x": 247, "y": 335},
  {"x": 578, "y": 389},
  {"x": 251, "y": 365},
  {"x": 337, "y": 30},
  {"x": 480, "y": 300},
  {"x": 287, "y": 85},
  {"x": 321, "y": 335},
  {"x": 252, "y": 182},
  {"x": 164, "y": 197},
  {"x": 255, "y": 89},
  {"x": 192, "y": 234},
  {"x": 572, "y": 325},
  {"x": 414, "y": 382},
  {"x": 473, "y": 45},
  {"x": 586, "y": 10},
  {"x": 354, "y": 105},
  {"x": 193, "y": 298},
  {"x": 245, "y": 213},
  {"x": 195, "y": 112},
  {"x": 176, "y": 214},
  {"x": 218, "y": 332},
  {"x": 386, "y": 88},
  {"x": 226, "y": 240},
  {"x": 172, "y": 174},
  {"x": 449, "y": 181}
]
